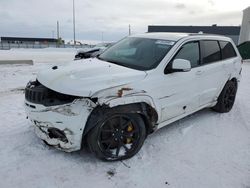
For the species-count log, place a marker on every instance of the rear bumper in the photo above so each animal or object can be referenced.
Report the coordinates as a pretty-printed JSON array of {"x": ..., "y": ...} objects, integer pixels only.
[{"x": 60, "y": 126}]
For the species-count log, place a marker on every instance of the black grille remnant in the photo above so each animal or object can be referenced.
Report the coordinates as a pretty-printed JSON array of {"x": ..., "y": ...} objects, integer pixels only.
[
  {"x": 57, "y": 134},
  {"x": 36, "y": 93}
]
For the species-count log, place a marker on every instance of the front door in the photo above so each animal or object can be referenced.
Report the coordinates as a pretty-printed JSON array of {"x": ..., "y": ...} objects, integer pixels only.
[{"x": 179, "y": 89}]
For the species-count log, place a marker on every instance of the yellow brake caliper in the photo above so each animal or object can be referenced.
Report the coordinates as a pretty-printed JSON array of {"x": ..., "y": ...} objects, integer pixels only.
[{"x": 129, "y": 129}]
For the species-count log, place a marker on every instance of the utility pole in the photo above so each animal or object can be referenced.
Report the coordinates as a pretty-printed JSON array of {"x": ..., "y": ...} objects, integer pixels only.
[
  {"x": 102, "y": 36},
  {"x": 53, "y": 35},
  {"x": 74, "y": 22},
  {"x": 129, "y": 29},
  {"x": 58, "y": 31}
]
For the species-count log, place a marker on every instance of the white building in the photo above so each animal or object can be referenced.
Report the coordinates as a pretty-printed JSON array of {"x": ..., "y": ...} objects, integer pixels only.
[{"x": 245, "y": 26}]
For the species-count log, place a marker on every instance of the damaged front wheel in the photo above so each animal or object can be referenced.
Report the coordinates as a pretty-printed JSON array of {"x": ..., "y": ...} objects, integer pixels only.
[{"x": 118, "y": 137}]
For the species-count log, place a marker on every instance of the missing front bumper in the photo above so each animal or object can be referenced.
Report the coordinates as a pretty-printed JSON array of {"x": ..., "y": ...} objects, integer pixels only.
[
  {"x": 56, "y": 138},
  {"x": 60, "y": 126}
]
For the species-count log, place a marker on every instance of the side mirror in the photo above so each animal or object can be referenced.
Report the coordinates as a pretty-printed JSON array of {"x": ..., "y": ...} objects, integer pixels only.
[{"x": 181, "y": 65}]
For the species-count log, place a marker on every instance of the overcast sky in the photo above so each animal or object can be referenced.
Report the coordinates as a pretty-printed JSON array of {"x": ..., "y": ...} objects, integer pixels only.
[{"x": 37, "y": 18}]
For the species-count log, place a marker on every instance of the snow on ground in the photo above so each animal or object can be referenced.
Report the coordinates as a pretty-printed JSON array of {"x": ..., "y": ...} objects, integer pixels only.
[
  {"x": 205, "y": 150},
  {"x": 50, "y": 55}
]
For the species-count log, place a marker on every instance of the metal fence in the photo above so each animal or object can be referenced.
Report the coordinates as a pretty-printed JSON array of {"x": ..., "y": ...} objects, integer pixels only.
[{"x": 7, "y": 46}]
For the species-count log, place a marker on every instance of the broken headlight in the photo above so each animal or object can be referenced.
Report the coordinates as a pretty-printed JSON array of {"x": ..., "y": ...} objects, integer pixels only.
[{"x": 37, "y": 93}]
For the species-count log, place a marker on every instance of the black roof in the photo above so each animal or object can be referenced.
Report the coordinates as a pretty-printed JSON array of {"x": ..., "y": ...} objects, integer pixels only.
[
  {"x": 28, "y": 39},
  {"x": 214, "y": 29}
]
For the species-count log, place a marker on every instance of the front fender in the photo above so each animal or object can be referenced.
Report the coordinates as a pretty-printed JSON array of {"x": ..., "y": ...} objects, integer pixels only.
[{"x": 123, "y": 95}]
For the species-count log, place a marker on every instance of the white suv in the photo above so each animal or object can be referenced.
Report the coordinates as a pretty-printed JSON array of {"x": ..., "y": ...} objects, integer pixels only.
[{"x": 140, "y": 84}]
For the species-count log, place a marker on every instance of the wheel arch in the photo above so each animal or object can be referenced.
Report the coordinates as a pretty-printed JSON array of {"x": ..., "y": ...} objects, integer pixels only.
[
  {"x": 221, "y": 106},
  {"x": 234, "y": 79},
  {"x": 148, "y": 113}
]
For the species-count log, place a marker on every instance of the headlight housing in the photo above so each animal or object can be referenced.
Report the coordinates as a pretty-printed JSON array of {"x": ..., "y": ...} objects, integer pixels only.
[{"x": 37, "y": 93}]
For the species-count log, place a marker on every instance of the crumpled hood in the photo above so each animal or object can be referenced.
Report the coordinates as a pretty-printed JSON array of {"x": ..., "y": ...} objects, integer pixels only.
[{"x": 86, "y": 77}]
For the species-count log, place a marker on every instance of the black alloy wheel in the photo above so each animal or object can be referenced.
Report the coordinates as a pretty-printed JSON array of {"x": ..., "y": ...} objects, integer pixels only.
[
  {"x": 227, "y": 97},
  {"x": 118, "y": 137}
]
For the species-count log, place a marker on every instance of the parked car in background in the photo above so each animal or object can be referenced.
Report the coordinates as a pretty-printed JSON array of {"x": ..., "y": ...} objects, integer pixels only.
[
  {"x": 92, "y": 52},
  {"x": 138, "y": 85}
]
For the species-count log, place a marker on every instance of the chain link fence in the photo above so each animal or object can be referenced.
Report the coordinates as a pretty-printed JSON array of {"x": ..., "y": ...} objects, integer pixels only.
[{"x": 7, "y": 46}]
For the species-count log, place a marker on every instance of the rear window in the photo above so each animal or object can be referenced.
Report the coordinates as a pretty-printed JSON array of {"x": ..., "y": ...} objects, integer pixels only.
[
  {"x": 210, "y": 51},
  {"x": 227, "y": 50}
]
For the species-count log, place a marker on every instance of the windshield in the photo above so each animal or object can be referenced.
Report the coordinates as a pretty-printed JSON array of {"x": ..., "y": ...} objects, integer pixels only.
[{"x": 137, "y": 53}]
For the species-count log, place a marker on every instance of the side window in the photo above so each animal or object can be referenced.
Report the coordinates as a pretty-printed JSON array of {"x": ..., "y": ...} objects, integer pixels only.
[
  {"x": 210, "y": 51},
  {"x": 227, "y": 50},
  {"x": 190, "y": 51}
]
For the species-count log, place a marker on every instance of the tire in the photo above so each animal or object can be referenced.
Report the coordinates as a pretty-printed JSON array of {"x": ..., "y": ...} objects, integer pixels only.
[
  {"x": 227, "y": 97},
  {"x": 117, "y": 137}
]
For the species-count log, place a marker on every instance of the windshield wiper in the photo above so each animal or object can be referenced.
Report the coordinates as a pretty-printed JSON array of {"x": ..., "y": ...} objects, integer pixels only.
[
  {"x": 110, "y": 61},
  {"x": 118, "y": 63}
]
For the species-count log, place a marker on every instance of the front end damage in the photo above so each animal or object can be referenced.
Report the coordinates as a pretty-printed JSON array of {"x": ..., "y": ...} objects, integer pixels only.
[{"x": 58, "y": 119}]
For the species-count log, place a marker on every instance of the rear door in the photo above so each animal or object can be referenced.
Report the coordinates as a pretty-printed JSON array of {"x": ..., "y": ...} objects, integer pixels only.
[
  {"x": 230, "y": 60},
  {"x": 212, "y": 74}
]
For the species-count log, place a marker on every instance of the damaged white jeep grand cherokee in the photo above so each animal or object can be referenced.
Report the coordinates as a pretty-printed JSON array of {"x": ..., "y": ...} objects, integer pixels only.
[{"x": 140, "y": 84}]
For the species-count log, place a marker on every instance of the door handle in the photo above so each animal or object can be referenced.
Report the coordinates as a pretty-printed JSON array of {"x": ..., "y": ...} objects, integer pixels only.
[{"x": 199, "y": 72}]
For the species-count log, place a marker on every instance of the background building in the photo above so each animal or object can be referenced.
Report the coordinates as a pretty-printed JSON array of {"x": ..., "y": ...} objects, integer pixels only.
[
  {"x": 245, "y": 26},
  {"x": 230, "y": 31},
  {"x": 20, "y": 40}
]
